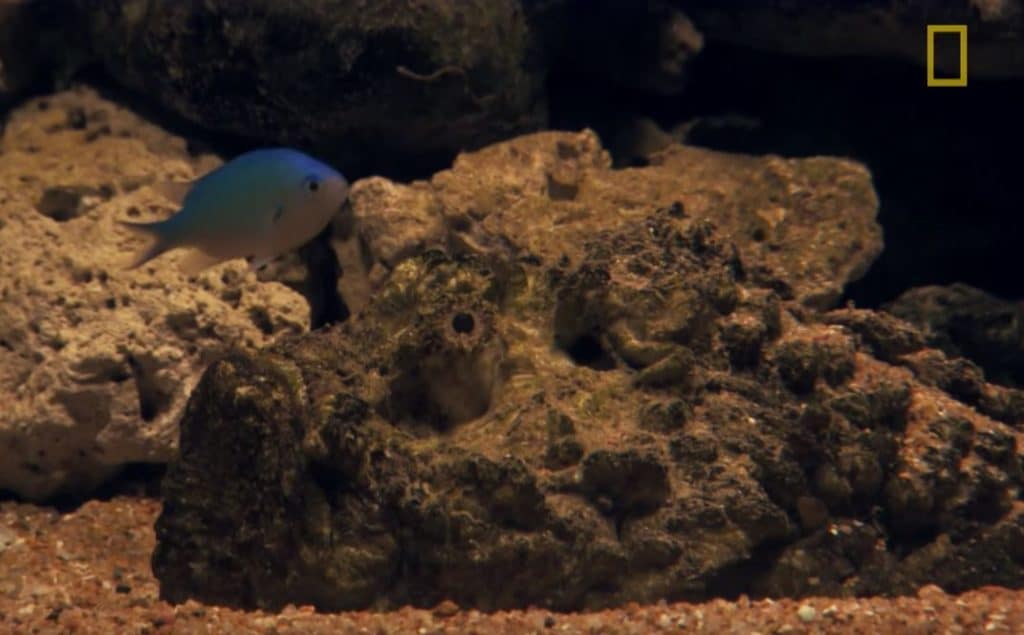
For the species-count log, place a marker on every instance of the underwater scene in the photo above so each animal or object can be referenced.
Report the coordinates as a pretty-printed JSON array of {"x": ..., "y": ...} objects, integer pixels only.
[{"x": 511, "y": 316}]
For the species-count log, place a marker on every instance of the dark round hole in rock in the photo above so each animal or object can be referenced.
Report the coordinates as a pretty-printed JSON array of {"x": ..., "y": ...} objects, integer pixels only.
[
  {"x": 463, "y": 323},
  {"x": 587, "y": 350},
  {"x": 61, "y": 203}
]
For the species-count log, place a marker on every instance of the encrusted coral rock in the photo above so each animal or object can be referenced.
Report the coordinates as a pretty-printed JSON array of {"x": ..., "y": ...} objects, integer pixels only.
[
  {"x": 608, "y": 404},
  {"x": 962, "y": 320},
  {"x": 380, "y": 84},
  {"x": 810, "y": 221},
  {"x": 96, "y": 362}
]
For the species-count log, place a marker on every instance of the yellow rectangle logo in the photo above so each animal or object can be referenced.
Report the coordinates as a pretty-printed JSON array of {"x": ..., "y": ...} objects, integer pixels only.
[{"x": 959, "y": 29}]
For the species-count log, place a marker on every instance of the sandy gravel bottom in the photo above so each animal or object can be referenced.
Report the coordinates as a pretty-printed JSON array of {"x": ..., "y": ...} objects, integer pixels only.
[{"x": 87, "y": 571}]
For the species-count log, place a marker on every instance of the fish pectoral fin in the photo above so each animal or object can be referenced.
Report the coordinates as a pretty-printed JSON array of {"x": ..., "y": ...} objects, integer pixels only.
[
  {"x": 197, "y": 260},
  {"x": 174, "y": 191},
  {"x": 155, "y": 236},
  {"x": 278, "y": 213},
  {"x": 257, "y": 263}
]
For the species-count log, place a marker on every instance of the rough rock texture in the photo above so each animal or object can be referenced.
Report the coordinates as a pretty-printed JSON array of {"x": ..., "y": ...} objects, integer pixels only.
[
  {"x": 810, "y": 221},
  {"x": 362, "y": 83},
  {"x": 87, "y": 572},
  {"x": 96, "y": 362},
  {"x": 962, "y": 320},
  {"x": 629, "y": 410},
  {"x": 881, "y": 28}
]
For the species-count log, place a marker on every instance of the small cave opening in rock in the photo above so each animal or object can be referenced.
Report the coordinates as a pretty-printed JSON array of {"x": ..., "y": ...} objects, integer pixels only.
[
  {"x": 154, "y": 398},
  {"x": 451, "y": 382},
  {"x": 588, "y": 350},
  {"x": 329, "y": 478},
  {"x": 731, "y": 582},
  {"x": 407, "y": 400},
  {"x": 139, "y": 480},
  {"x": 326, "y": 306},
  {"x": 62, "y": 203},
  {"x": 410, "y": 403},
  {"x": 943, "y": 161},
  {"x": 439, "y": 393},
  {"x": 318, "y": 284},
  {"x": 463, "y": 323}
]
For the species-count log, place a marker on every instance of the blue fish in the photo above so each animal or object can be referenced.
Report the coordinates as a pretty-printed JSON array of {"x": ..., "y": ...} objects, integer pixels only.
[{"x": 257, "y": 206}]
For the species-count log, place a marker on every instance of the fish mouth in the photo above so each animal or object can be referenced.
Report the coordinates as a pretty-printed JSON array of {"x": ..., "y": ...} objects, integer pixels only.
[
  {"x": 345, "y": 198},
  {"x": 343, "y": 220}
]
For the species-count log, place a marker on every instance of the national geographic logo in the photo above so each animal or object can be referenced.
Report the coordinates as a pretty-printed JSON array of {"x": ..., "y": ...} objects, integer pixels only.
[{"x": 952, "y": 42}]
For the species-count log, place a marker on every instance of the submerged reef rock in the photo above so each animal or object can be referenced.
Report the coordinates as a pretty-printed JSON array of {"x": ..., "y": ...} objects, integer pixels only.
[
  {"x": 964, "y": 321},
  {"x": 570, "y": 389},
  {"x": 360, "y": 83},
  {"x": 885, "y": 28},
  {"x": 811, "y": 222},
  {"x": 96, "y": 363},
  {"x": 393, "y": 87}
]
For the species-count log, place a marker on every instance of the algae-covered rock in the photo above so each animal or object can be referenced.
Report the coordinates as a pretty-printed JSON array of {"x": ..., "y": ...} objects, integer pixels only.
[
  {"x": 962, "y": 320},
  {"x": 378, "y": 84},
  {"x": 96, "y": 362},
  {"x": 811, "y": 222},
  {"x": 637, "y": 415}
]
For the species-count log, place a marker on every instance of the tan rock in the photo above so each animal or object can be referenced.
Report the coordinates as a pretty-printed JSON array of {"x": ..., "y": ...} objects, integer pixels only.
[
  {"x": 811, "y": 221},
  {"x": 96, "y": 362}
]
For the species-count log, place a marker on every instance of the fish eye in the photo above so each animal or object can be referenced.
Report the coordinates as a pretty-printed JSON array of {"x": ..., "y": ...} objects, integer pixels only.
[{"x": 312, "y": 184}]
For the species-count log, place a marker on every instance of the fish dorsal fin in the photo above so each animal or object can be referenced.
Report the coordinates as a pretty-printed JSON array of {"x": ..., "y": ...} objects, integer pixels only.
[{"x": 174, "y": 191}]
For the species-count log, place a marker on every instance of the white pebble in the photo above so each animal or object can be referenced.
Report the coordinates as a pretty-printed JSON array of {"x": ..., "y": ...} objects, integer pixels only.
[{"x": 806, "y": 613}]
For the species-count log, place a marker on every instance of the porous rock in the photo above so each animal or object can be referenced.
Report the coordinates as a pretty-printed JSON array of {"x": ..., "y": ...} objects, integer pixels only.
[
  {"x": 810, "y": 221},
  {"x": 582, "y": 417},
  {"x": 96, "y": 362},
  {"x": 381, "y": 84},
  {"x": 964, "y": 321}
]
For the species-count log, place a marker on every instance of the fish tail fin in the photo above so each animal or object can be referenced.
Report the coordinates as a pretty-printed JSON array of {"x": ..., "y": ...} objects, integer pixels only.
[{"x": 158, "y": 236}]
